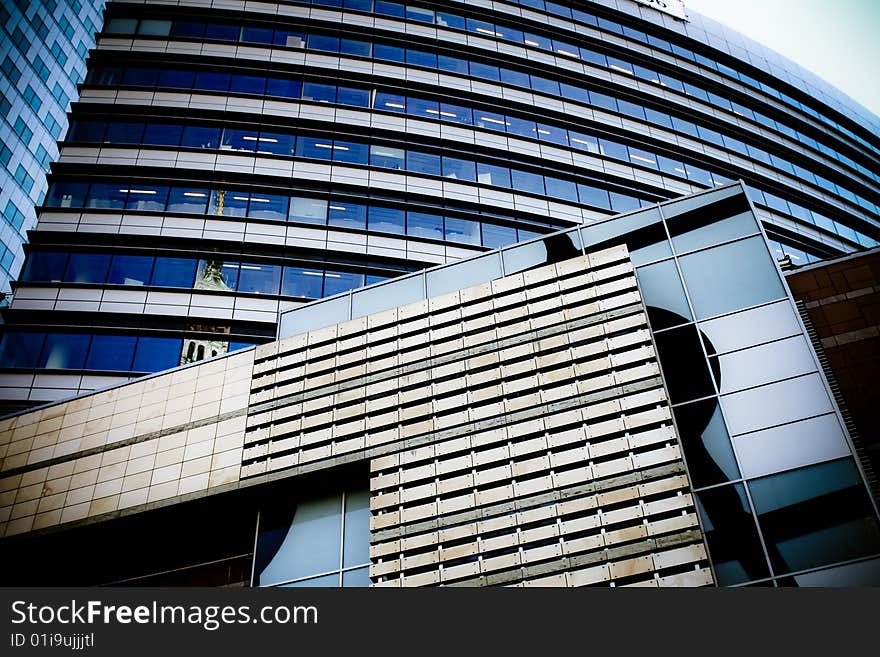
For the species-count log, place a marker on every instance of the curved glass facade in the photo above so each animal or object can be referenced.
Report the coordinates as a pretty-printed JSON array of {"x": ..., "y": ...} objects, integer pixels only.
[{"x": 225, "y": 166}]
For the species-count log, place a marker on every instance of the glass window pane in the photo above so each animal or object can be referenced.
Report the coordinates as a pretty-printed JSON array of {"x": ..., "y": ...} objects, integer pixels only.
[
  {"x": 348, "y": 215},
  {"x": 183, "y": 199},
  {"x": 67, "y": 195},
  {"x": 268, "y": 206},
  {"x": 20, "y": 349},
  {"x": 384, "y": 156},
  {"x": 222, "y": 32},
  {"x": 523, "y": 181},
  {"x": 111, "y": 352},
  {"x": 706, "y": 444},
  {"x": 289, "y": 39},
  {"x": 106, "y": 196},
  {"x": 314, "y": 316},
  {"x": 663, "y": 295},
  {"x": 684, "y": 365},
  {"x": 356, "y": 578},
  {"x": 815, "y": 516},
  {"x": 325, "y": 581},
  {"x": 764, "y": 364},
  {"x": 209, "y": 81},
  {"x": 346, "y": 151},
  {"x": 356, "y": 548},
  {"x": 319, "y": 93},
  {"x": 353, "y": 96},
  {"x": 64, "y": 351},
  {"x": 200, "y": 137},
  {"x": 228, "y": 203},
  {"x": 336, "y": 282},
  {"x": 308, "y": 210},
  {"x": 124, "y": 132},
  {"x": 389, "y": 102},
  {"x": 259, "y": 279},
  {"x": 283, "y": 88},
  {"x": 463, "y": 231},
  {"x": 495, "y": 236},
  {"x": 425, "y": 163},
  {"x": 731, "y": 535},
  {"x": 556, "y": 248},
  {"x": 731, "y": 277},
  {"x": 250, "y": 34},
  {"x": 162, "y": 134},
  {"x": 276, "y": 143},
  {"x": 174, "y": 272},
  {"x": 130, "y": 270},
  {"x": 323, "y": 43},
  {"x": 459, "y": 169},
  {"x": 157, "y": 354},
  {"x": 751, "y": 327},
  {"x": 217, "y": 275},
  {"x": 44, "y": 267},
  {"x": 147, "y": 198},
  {"x": 298, "y": 282},
  {"x": 386, "y": 220},
  {"x": 491, "y": 174},
  {"x": 561, "y": 189},
  {"x": 176, "y": 79},
  {"x": 356, "y": 47},
  {"x": 87, "y": 268},
  {"x": 239, "y": 140},
  {"x": 422, "y": 224},
  {"x": 154, "y": 27},
  {"x": 310, "y": 545}
]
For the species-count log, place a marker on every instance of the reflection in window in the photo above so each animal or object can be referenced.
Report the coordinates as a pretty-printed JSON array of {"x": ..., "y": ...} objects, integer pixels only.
[
  {"x": 64, "y": 351},
  {"x": 663, "y": 294},
  {"x": 706, "y": 443},
  {"x": 323, "y": 542},
  {"x": 731, "y": 535},
  {"x": 815, "y": 516},
  {"x": 685, "y": 370}
]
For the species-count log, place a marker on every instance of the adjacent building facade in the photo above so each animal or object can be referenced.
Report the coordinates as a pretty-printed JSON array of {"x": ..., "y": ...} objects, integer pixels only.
[
  {"x": 634, "y": 402},
  {"x": 227, "y": 163},
  {"x": 43, "y": 48}
]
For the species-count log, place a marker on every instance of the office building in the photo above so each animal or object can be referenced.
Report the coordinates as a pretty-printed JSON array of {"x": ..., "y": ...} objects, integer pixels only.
[
  {"x": 43, "y": 50},
  {"x": 634, "y": 402},
  {"x": 228, "y": 163}
]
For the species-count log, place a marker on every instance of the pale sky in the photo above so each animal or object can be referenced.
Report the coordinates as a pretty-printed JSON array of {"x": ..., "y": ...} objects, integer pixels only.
[{"x": 839, "y": 40}]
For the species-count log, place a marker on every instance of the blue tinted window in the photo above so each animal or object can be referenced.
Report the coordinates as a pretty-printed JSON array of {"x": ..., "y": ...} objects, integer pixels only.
[
  {"x": 228, "y": 203},
  {"x": 348, "y": 215},
  {"x": 464, "y": 231},
  {"x": 20, "y": 349},
  {"x": 44, "y": 267},
  {"x": 176, "y": 79},
  {"x": 452, "y": 64},
  {"x": 544, "y": 85},
  {"x": 146, "y": 197},
  {"x": 276, "y": 143},
  {"x": 594, "y": 196},
  {"x": 174, "y": 272},
  {"x": 64, "y": 351},
  {"x": 239, "y": 140},
  {"x": 485, "y": 71},
  {"x": 111, "y": 352},
  {"x": 259, "y": 279},
  {"x": 421, "y": 58},
  {"x": 421, "y": 224},
  {"x": 298, "y": 282},
  {"x": 561, "y": 189},
  {"x": 459, "y": 169},
  {"x": 353, "y": 97},
  {"x": 200, "y": 137},
  {"x": 623, "y": 203},
  {"x": 552, "y": 134},
  {"x": 497, "y": 236},
  {"x": 222, "y": 32},
  {"x": 185, "y": 199},
  {"x": 424, "y": 108},
  {"x": 88, "y": 131},
  {"x": 345, "y": 151},
  {"x": 140, "y": 77},
  {"x": 384, "y": 156},
  {"x": 268, "y": 206},
  {"x": 248, "y": 84},
  {"x": 336, "y": 282},
  {"x": 319, "y": 93},
  {"x": 156, "y": 354},
  {"x": 386, "y": 220},
  {"x": 390, "y": 8},
  {"x": 209, "y": 81},
  {"x": 355, "y": 47},
  {"x": 106, "y": 196},
  {"x": 449, "y": 20},
  {"x": 603, "y": 100},
  {"x": 308, "y": 210},
  {"x": 389, "y": 53},
  {"x": 119, "y": 132},
  {"x": 614, "y": 150},
  {"x": 456, "y": 113},
  {"x": 290, "y": 39},
  {"x": 130, "y": 270},
  {"x": 283, "y": 88},
  {"x": 521, "y": 127},
  {"x": 325, "y": 43},
  {"x": 188, "y": 29},
  {"x": 523, "y": 181},
  {"x": 256, "y": 34},
  {"x": 162, "y": 134},
  {"x": 515, "y": 78},
  {"x": 426, "y": 163},
  {"x": 491, "y": 174},
  {"x": 389, "y": 102},
  {"x": 313, "y": 147}
]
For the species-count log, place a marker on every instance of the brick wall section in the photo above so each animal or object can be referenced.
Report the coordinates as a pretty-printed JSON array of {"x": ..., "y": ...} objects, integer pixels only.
[{"x": 843, "y": 301}]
